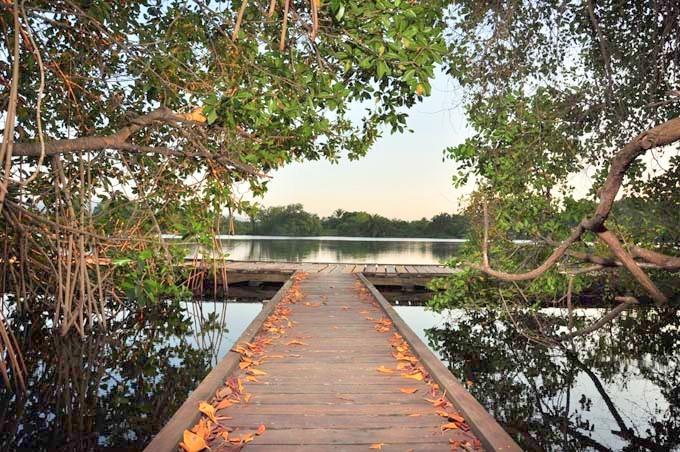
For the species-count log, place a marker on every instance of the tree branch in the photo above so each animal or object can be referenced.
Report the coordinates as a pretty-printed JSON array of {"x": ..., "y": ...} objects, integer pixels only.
[
  {"x": 95, "y": 143},
  {"x": 661, "y": 135}
]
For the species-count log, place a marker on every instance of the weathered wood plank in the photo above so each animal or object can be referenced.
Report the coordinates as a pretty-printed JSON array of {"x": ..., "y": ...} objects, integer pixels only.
[
  {"x": 331, "y": 381},
  {"x": 486, "y": 428}
]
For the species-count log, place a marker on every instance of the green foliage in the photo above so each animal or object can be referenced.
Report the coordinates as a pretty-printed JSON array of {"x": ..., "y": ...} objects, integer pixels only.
[
  {"x": 243, "y": 102},
  {"x": 552, "y": 91},
  {"x": 294, "y": 221}
]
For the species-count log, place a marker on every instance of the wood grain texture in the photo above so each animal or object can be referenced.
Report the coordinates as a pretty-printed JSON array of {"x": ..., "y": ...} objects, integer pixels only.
[
  {"x": 489, "y": 432},
  {"x": 327, "y": 392}
]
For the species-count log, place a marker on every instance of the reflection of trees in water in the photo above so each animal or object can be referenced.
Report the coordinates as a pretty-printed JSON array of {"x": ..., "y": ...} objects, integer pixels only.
[
  {"x": 444, "y": 251},
  {"x": 337, "y": 250},
  {"x": 281, "y": 250},
  {"x": 532, "y": 390},
  {"x": 117, "y": 387}
]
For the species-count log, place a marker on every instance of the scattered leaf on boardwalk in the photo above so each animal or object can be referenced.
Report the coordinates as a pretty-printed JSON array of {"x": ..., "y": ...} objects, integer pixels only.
[
  {"x": 296, "y": 342},
  {"x": 415, "y": 414},
  {"x": 223, "y": 392},
  {"x": 193, "y": 442},
  {"x": 257, "y": 372},
  {"x": 417, "y": 375},
  {"x": 449, "y": 426},
  {"x": 203, "y": 428},
  {"x": 248, "y": 437},
  {"x": 261, "y": 429},
  {"x": 208, "y": 410},
  {"x": 408, "y": 390},
  {"x": 377, "y": 446},
  {"x": 224, "y": 403},
  {"x": 385, "y": 370}
]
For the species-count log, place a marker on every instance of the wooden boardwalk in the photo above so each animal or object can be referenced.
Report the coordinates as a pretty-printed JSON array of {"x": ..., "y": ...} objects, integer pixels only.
[
  {"x": 328, "y": 365},
  {"x": 382, "y": 274}
]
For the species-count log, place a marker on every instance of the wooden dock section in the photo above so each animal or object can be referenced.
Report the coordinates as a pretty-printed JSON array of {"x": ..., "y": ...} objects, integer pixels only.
[
  {"x": 329, "y": 365},
  {"x": 378, "y": 274}
]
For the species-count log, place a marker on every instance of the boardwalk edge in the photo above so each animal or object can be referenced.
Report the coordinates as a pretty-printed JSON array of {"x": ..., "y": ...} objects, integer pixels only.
[
  {"x": 188, "y": 415},
  {"x": 485, "y": 426}
]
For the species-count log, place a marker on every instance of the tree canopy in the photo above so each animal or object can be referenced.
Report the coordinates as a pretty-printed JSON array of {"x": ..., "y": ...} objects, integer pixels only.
[
  {"x": 573, "y": 105},
  {"x": 168, "y": 104}
]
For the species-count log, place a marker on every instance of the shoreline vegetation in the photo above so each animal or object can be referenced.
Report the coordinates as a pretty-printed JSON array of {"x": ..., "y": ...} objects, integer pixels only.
[{"x": 293, "y": 221}]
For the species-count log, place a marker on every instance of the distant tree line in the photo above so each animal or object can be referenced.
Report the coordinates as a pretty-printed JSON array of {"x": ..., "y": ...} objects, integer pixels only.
[{"x": 295, "y": 221}]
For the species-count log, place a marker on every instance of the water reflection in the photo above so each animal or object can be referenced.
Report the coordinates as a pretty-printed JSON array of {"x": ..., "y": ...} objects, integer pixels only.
[
  {"x": 618, "y": 390},
  {"x": 339, "y": 250},
  {"x": 116, "y": 388}
]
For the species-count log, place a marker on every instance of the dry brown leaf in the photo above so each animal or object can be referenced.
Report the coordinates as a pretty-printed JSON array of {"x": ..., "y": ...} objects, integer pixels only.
[
  {"x": 208, "y": 410},
  {"x": 192, "y": 442},
  {"x": 251, "y": 379},
  {"x": 195, "y": 115},
  {"x": 248, "y": 437},
  {"x": 223, "y": 392},
  {"x": 377, "y": 446},
  {"x": 418, "y": 375},
  {"x": 257, "y": 372},
  {"x": 408, "y": 390},
  {"x": 224, "y": 403},
  {"x": 449, "y": 426},
  {"x": 385, "y": 370},
  {"x": 245, "y": 363},
  {"x": 296, "y": 342}
]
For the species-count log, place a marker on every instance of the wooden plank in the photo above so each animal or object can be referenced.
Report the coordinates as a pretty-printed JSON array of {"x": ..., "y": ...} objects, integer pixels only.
[
  {"x": 486, "y": 428},
  {"x": 321, "y": 384},
  {"x": 187, "y": 415},
  {"x": 359, "y": 435},
  {"x": 412, "y": 447},
  {"x": 348, "y": 268},
  {"x": 412, "y": 269}
]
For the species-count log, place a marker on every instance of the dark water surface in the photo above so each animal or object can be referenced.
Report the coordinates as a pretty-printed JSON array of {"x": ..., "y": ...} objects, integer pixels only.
[{"x": 616, "y": 390}]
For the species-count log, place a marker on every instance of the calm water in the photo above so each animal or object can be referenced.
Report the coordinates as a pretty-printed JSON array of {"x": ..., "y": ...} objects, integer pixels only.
[
  {"x": 115, "y": 389},
  {"x": 617, "y": 391},
  {"x": 338, "y": 249}
]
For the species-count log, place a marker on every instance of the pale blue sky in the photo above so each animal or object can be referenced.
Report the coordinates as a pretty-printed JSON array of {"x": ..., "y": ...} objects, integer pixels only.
[{"x": 402, "y": 176}]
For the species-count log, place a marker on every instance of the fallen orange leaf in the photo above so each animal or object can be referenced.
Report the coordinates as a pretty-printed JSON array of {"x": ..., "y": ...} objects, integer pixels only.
[
  {"x": 449, "y": 426},
  {"x": 208, "y": 410},
  {"x": 257, "y": 372},
  {"x": 385, "y": 370},
  {"x": 377, "y": 446},
  {"x": 193, "y": 442},
  {"x": 261, "y": 429},
  {"x": 408, "y": 390},
  {"x": 418, "y": 375},
  {"x": 203, "y": 428},
  {"x": 296, "y": 342},
  {"x": 247, "y": 437}
]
